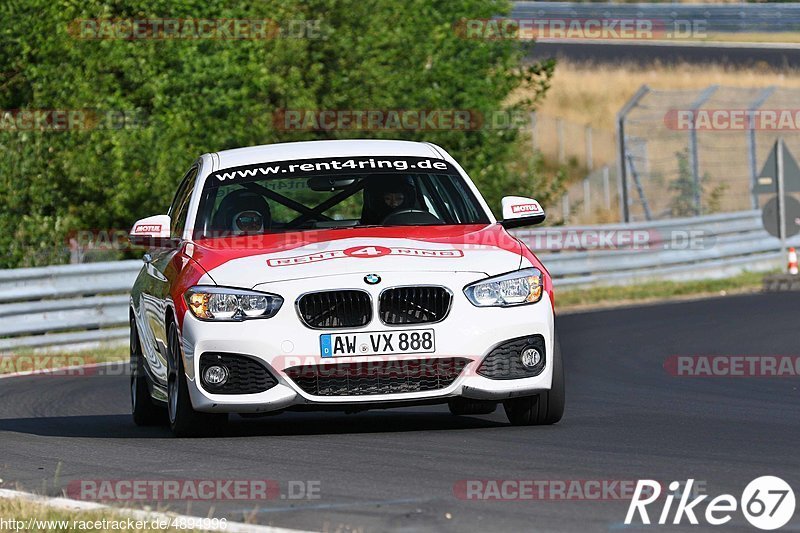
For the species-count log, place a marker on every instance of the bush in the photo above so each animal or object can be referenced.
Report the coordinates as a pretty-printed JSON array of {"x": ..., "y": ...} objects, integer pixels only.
[{"x": 180, "y": 98}]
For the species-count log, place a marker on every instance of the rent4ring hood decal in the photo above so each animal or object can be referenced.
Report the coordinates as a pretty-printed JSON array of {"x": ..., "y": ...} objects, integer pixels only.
[{"x": 344, "y": 166}]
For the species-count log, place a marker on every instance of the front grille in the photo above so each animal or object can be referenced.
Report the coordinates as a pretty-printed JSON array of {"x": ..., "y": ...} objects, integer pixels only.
[
  {"x": 377, "y": 377},
  {"x": 414, "y": 305},
  {"x": 505, "y": 362},
  {"x": 335, "y": 309},
  {"x": 245, "y": 375}
]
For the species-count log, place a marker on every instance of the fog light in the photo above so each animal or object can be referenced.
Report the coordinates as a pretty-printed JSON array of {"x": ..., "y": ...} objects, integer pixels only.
[
  {"x": 215, "y": 375},
  {"x": 530, "y": 357}
]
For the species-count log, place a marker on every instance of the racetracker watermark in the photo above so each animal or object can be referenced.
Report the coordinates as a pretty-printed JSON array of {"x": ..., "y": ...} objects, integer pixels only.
[
  {"x": 543, "y": 489},
  {"x": 131, "y": 29},
  {"x": 48, "y": 365},
  {"x": 550, "y": 489},
  {"x": 733, "y": 366},
  {"x": 733, "y": 119},
  {"x": 165, "y": 490},
  {"x": 569, "y": 29},
  {"x": 319, "y": 242},
  {"x": 63, "y": 120},
  {"x": 397, "y": 119},
  {"x": 561, "y": 239},
  {"x": 343, "y": 358}
]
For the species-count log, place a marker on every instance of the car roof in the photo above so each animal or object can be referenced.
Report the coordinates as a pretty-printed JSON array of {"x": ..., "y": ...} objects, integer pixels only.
[
  {"x": 319, "y": 149},
  {"x": 236, "y": 157}
]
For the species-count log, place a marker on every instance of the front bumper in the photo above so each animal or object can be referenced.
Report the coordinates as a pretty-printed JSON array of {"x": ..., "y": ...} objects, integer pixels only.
[{"x": 283, "y": 342}]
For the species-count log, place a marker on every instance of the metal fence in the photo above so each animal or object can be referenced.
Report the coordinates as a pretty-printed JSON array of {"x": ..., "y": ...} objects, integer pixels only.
[
  {"x": 700, "y": 151},
  {"x": 678, "y": 153},
  {"x": 595, "y": 198},
  {"x": 570, "y": 143},
  {"x": 82, "y": 305},
  {"x": 581, "y": 149}
]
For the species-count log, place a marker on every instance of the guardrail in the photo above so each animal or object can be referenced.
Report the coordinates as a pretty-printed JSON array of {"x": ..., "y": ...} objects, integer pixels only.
[
  {"x": 75, "y": 305},
  {"x": 69, "y": 305},
  {"x": 708, "y": 247},
  {"x": 721, "y": 17}
]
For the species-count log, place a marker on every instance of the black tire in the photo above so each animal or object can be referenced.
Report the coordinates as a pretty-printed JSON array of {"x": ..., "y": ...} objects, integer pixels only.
[
  {"x": 544, "y": 408},
  {"x": 461, "y": 406},
  {"x": 145, "y": 411},
  {"x": 184, "y": 421}
]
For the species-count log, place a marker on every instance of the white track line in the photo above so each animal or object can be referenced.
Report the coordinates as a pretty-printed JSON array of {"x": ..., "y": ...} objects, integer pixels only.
[{"x": 67, "y": 504}]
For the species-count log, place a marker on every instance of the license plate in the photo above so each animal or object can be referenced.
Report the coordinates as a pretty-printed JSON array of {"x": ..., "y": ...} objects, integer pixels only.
[{"x": 377, "y": 343}]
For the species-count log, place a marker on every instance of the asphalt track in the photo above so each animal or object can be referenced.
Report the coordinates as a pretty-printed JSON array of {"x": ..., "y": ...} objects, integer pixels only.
[
  {"x": 670, "y": 53},
  {"x": 626, "y": 419}
]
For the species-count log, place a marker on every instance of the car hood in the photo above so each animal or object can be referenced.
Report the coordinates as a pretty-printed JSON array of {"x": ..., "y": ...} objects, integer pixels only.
[{"x": 253, "y": 260}]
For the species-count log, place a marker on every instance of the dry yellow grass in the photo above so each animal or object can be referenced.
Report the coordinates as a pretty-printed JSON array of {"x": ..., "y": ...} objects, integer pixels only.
[{"x": 592, "y": 94}]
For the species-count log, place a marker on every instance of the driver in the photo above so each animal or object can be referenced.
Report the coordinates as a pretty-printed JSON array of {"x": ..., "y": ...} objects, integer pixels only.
[
  {"x": 248, "y": 222},
  {"x": 384, "y": 195},
  {"x": 242, "y": 212}
]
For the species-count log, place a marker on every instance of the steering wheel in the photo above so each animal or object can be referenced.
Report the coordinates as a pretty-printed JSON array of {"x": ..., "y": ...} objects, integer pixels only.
[{"x": 425, "y": 217}]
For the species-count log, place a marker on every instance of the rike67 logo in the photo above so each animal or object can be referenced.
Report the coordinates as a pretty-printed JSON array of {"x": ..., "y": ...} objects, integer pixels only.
[{"x": 767, "y": 502}]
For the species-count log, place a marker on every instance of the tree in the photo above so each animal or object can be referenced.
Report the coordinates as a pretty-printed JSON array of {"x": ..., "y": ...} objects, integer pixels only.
[
  {"x": 178, "y": 98},
  {"x": 686, "y": 191}
]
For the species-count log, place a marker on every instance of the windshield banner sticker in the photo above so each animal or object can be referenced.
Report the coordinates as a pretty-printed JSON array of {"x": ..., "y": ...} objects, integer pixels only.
[{"x": 345, "y": 166}]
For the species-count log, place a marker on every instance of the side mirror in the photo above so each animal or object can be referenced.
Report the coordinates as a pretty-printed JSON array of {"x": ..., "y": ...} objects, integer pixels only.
[
  {"x": 519, "y": 211},
  {"x": 151, "y": 232}
]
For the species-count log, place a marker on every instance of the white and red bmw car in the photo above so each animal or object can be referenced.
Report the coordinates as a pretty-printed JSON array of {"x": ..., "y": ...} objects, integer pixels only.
[{"x": 342, "y": 275}]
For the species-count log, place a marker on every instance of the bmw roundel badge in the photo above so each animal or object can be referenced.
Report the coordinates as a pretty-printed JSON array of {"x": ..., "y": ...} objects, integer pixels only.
[{"x": 372, "y": 279}]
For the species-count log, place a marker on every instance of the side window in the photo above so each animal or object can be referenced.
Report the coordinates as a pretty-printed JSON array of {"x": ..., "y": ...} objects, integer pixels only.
[
  {"x": 180, "y": 205},
  {"x": 468, "y": 210},
  {"x": 441, "y": 193}
]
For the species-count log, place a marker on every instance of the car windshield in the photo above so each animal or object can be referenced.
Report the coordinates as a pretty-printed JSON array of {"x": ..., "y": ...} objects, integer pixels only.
[{"x": 335, "y": 193}]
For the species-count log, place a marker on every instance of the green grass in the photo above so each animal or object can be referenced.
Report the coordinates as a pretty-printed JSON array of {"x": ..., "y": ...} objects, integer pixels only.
[
  {"x": 656, "y": 290},
  {"x": 26, "y": 360}
]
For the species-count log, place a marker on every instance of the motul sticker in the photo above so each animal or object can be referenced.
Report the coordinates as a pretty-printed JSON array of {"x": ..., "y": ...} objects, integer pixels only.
[
  {"x": 148, "y": 228},
  {"x": 363, "y": 252},
  {"x": 526, "y": 208}
]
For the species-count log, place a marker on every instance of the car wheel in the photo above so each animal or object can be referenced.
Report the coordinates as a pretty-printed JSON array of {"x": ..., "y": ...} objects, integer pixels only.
[
  {"x": 145, "y": 412},
  {"x": 544, "y": 408},
  {"x": 183, "y": 419}
]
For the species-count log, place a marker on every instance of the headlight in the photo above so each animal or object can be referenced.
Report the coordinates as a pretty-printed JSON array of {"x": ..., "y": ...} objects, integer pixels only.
[
  {"x": 222, "y": 303},
  {"x": 515, "y": 288}
]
